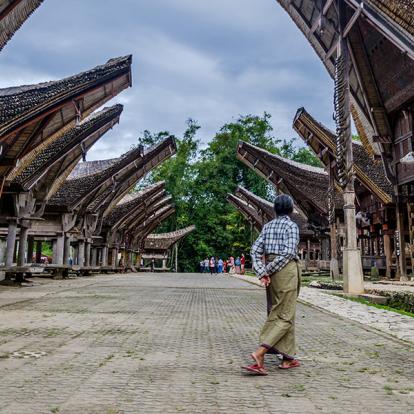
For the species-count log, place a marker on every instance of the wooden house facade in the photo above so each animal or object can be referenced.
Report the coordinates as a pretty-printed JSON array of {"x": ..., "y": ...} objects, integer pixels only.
[
  {"x": 376, "y": 215},
  {"x": 379, "y": 39}
]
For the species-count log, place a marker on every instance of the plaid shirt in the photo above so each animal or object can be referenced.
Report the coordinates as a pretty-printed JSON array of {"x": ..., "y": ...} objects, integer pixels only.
[{"x": 279, "y": 237}]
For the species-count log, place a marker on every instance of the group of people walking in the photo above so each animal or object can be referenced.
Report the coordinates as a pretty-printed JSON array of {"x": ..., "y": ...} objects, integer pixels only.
[{"x": 214, "y": 265}]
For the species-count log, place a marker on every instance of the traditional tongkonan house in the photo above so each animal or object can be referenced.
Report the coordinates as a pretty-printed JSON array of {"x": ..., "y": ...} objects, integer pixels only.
[
  {"x": 307, "y": 185},
  {"x": 87, "y": 195},
  {"x": 119, "y": 220},
  {"x": 13, "y": 13},
  {"x": 313, "y": 247},
  {"x": 33, "y": 117},
  {"x": 141, "y": 227},
  {"x": 376, "y": 219},
  {"x": 368, "y": 48},
  {"x": 158, "y": 247},
  {"x": 42, "y": 177}
]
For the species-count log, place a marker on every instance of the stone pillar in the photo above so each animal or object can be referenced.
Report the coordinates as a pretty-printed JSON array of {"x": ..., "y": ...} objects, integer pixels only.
[
  {"x": 30, "y": 248},
  {"x": 11, "y": 242},
  {"x": 87, "y": 254},
  {"x": 66, "y": 250},
  {"x": 38, "y": 251},
  {"x": 352, "y": 265},
  {"x": 24, "y": 231},
  {"x": 94, "y": 257},
  {"x": 59, "y": 250},
  {"x": 81, "y": 253}
]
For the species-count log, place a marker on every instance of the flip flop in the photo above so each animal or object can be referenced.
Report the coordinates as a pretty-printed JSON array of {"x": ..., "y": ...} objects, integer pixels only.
[
  {"x": 254, "y": 368},
  {"x": 293, "y": 364}
]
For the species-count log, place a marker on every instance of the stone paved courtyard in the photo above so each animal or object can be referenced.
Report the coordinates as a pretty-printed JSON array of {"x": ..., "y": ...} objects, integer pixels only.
[{"x": 174, "y": 343}]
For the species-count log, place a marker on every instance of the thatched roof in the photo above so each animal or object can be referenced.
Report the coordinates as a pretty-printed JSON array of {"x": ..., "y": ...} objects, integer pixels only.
[
  {"x": 60, "y": 150},
  {"x": 33, "y": 116},
  {"x": 264, "y": 209},
  {"x": 322, "y": 141},
  {"x": 381, "y": 42},
  {"x": 307, "y": 185},
  {"x": 81, "y": 185},
  {"x": 13, "y": 13},
  {"x": 164, "y": 241},
  {"x": 133, "y": 204}
]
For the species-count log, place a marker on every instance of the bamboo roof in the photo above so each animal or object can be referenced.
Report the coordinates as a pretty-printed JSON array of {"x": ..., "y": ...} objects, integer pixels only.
[
  {"x": 98, "y": 186},
  {"x": 265, "y": 210},
  {"x": 164, "y": 241},
  {"x": 381, "y": 42},
  {"x": 307, "y": 185},
  {"x": 151, "y": 158},
  {"x": 81, "y": 186},
  {"x": 66, "y": 150},
  {"x": 13, "y": 13},
  {"x": 33, "y": 116},
  {"x": 142, "y": 230},
  {"x": 134, "y": 203},
  {"x": 368, "y": 171}
]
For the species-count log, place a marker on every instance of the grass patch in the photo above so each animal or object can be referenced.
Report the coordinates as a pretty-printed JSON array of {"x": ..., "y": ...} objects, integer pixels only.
[{"x": 376, "y": 305}]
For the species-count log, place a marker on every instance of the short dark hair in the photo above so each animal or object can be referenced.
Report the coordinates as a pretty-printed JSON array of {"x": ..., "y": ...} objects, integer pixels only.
[{"x": 283, "y": 205}]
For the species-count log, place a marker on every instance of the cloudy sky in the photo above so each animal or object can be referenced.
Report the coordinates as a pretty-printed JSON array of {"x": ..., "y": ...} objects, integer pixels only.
[{"x": 209, "y": 60}]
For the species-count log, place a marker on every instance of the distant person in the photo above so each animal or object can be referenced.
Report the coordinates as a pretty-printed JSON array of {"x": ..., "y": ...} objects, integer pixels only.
[
  {"x": 242, "y": 263},
  {"x": 220, "y": 266},
  {"x": 280, "y": 274},
  {"x": 212, "y": 265},
  {"x": 152, "y": 265},
  {"x": 206, "y": 264},
  {"x": 224, "y": 266},
  {"x": 237, "y": 263},
  {"x": 202, "y": 266},
  {"x": 231, "y": 270}
]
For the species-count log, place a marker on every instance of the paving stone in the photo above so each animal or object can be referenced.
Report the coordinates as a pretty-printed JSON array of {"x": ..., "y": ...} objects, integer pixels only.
[{"x": 170, "y": 343}]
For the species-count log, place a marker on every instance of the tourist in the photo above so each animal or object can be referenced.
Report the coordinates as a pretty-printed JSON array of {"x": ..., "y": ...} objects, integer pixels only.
[
  {"x": 280, "y": 274},
  {"x": 206, "y": 264},
  {"x": 231, "y": 270},
  {"x": 220, "y": 266},
  {"x": 242, "y": 263},
  {"x": 202, "y": 266},
  {"x": 237, "y": 263},
  {"x": 224, "y": 266},
  {"x": 212, "y": 265}
]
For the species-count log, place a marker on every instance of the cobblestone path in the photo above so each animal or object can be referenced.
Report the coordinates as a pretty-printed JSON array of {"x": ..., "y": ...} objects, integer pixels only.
[{"x": 167, "y": 343}]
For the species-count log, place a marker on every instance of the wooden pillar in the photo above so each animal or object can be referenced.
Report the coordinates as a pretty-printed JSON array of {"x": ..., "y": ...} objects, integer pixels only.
[
  {"x": 402, "y": 261},
  {"x": 11, "y": 242},
  {"x": 38, "y": 251},
  {"x": 81, "y": 253},
  {"x": 30, "y": 248},
  {"x": 114, "y": 257},
  {"x": 388, "y": 254},
  {"x": 54, "y": 250},
  {"x": 94, "y": 256},
  {"x": 24, "y": 231}
]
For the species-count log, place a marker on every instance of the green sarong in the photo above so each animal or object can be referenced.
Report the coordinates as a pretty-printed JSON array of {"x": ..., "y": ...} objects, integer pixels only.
[{"x": 278, "y": 332}]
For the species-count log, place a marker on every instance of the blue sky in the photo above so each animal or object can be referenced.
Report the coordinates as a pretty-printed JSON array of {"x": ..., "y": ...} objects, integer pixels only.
[{"x": 211, "y": 61}]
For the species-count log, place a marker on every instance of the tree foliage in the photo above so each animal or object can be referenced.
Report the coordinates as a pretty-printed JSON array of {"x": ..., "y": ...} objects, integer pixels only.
[{"x": 199, "y": 181}]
